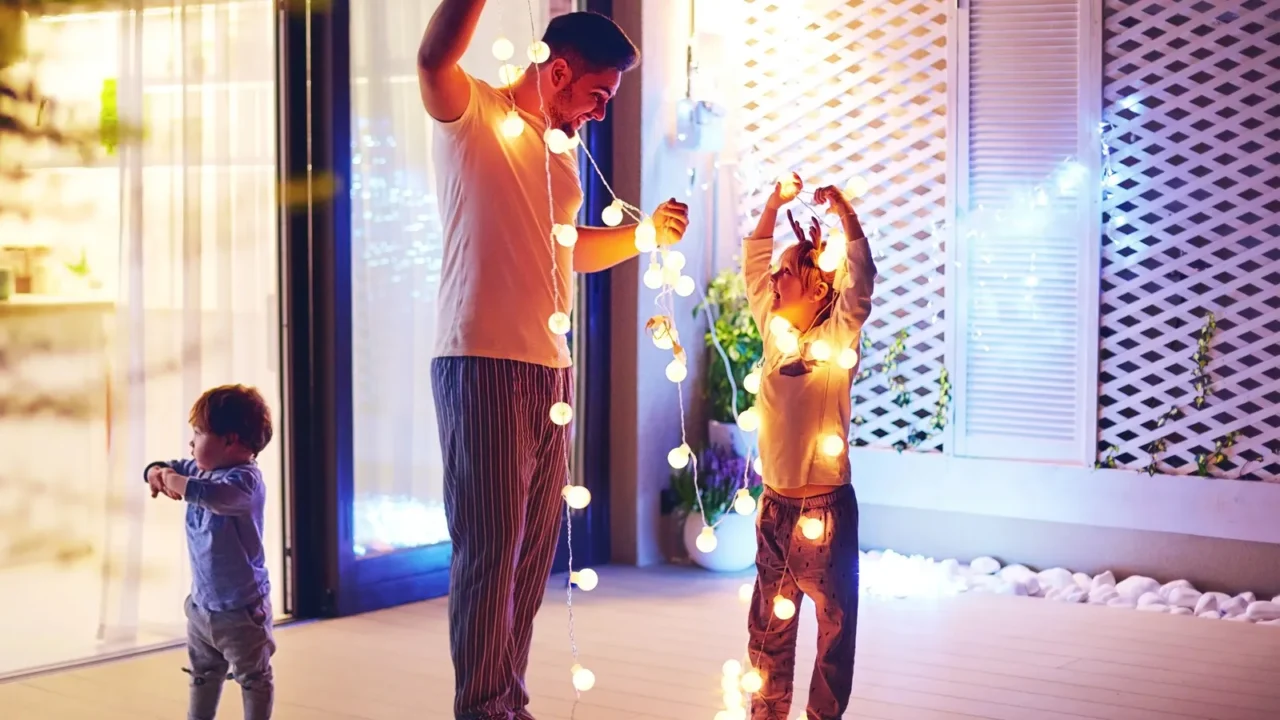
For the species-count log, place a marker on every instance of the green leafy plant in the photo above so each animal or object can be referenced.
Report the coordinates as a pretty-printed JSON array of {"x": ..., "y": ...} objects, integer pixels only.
[
  {"x": 720, "y": 475},
  {"x": 733, "y": 328}
]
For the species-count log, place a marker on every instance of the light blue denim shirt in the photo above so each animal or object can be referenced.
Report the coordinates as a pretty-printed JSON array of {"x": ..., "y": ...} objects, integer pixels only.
[{"x": 224, "y": 535}]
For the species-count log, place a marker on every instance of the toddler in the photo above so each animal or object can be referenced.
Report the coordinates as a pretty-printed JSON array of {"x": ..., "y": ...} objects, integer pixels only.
[
  {"x": 810, "y": 312},
  {"x": 229, "y": 609}
]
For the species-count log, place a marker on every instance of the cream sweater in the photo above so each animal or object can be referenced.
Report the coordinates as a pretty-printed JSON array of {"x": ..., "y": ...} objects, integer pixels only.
[{"x": 803, "y": 402}]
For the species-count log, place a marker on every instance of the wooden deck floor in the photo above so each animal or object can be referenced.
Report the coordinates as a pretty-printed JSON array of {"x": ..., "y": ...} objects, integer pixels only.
[{"x": 656, "y": 640}]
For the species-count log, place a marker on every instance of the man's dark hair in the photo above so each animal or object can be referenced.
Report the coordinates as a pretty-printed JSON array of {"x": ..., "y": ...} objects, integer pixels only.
[{"x": 591, "y": 42}]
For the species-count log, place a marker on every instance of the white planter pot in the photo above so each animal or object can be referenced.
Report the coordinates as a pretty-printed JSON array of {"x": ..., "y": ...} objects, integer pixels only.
[
  {"x": 729, "y": 435},
  {"x": 735, "y": 542}
]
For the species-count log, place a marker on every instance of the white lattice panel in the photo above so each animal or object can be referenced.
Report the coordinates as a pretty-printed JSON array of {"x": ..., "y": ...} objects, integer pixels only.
[
  {"x": 1191, "y": 89},
  {"x": 838, "y": 89}
]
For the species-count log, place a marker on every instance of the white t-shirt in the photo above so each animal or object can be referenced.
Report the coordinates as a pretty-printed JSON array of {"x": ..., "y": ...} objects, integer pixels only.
[
  {"x": 497, "y": 289},
  {"x": 803, "y": 400}
]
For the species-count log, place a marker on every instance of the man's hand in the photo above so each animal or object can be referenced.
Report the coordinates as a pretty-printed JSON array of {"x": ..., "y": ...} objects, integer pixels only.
[
  {"x": 174, "y": 484},
  {"x": 671, "y": 219},
  {"x": 785, "y": 190}
]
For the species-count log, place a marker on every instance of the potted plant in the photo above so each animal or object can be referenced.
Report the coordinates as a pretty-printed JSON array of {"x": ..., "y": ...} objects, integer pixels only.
[
  {"x": 721, "y": 475},
  {"x": 734, "y": 331}
]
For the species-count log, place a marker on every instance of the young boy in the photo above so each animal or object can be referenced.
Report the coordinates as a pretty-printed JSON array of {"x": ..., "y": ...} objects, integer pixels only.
[
  {"x": 808, "y": 523},
  {"x": 229, "y": 609}
]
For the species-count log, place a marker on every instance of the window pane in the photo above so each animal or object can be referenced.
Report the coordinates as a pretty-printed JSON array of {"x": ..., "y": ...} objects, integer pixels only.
[
  {"x": 396, "y": 256},
  {"x": 143, "y": 276}
]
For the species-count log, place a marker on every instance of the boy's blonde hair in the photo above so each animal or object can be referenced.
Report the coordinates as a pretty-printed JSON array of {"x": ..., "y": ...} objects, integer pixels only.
[
  {"x": 234, "y": 410},
  {"x": 802, "y": 260}
]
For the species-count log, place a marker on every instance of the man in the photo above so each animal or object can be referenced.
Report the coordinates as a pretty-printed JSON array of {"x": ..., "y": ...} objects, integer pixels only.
[{"x": 498, "y": 367}]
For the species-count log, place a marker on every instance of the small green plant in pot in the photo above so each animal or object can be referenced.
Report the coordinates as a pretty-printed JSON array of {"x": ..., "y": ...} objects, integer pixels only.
[
  {"x": 721, "y": 473},
  {"x": 735, "y": 331}
]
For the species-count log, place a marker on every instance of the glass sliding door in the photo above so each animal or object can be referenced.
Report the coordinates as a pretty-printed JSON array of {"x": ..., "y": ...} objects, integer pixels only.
[{"x": 135, "y": 272}]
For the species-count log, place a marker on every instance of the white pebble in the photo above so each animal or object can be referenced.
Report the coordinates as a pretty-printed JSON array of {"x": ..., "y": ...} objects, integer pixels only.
[
  {"x": 1276, "y": 599},
  {"x": 1272, "y": 623},
  {"x": 1150, "y": 599},
  {"x": 1263, "y": 611},
  {"x": 1156, "y": 607},
  {"x": 1167, "y": 589},
  {"x": 1247, "y": 597},
  {"x": 1179, "y": 611},
  {"x": 1104, "y": 579},
  {"x": 1083, "y": 581},
  {"x": 1209, "y": 615},
  {"x": 1103, "y": 595},
  {"x": 985, "y": 566},
  {"x": 1233, "y": 607},
  {"x": 1135, "y": 586},
  {"x": 1055, "y": 578},
  {"x": 950, "y": 566},
  {"x": 1184, "y": 597},
  {"x": 1122, "y": 602},
  {"x": 1211, "y": 601},
  {"x": 1238, "y": 618},
  {"x": 1074, "y": 595}
]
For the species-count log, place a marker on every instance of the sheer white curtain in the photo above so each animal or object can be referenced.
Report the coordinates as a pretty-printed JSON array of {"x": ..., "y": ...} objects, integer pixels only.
[
  {"x": 396, "y": 256},
  {"x": 176, "y": 235}
]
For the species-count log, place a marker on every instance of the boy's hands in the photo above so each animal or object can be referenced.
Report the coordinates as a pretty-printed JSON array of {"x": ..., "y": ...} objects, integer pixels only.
[
  {"x": 671, "y": 219},
  {"x": 835, "y": 200},
  {"x": 175, "y": 484},
  {"x": 787, "y": 187},
  {"x": 155, "y": 480}
]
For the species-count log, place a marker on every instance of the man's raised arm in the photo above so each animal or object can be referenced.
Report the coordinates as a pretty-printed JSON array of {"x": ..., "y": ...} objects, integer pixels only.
[{"x": 445, "y": 88}]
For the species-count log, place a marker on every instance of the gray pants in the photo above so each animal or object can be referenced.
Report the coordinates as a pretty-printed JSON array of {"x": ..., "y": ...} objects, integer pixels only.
[
  {"x": 235, "y": 640},
  {"x": 826, "y": 571}
]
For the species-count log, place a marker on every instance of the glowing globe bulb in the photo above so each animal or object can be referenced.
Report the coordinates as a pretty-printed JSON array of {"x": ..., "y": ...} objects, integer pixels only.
[
  {"x": 685, "y": 286},
  {"x": 706, "y": 541},
  {"x": 786, "y": 179},
  {"x": 783, "y": 608},
  {"x": 674, "y": 260},
  {"x": 583, "y": 679},
  {"x": 670, "y": 277},
  {"x": 749, "y": 420},
  {"x": 836, "y": 241},
  {"x": 586, "y": 579},
  {"x": 745, "y": 592},
  {"x": 561, "y": 413},
  {"x": 512, "y": 125},
  {"x": 678, "y": 458},
  {"x": 722, "y": 715},
  {"x": 820, "y": 350},
  {"x": 833, "y": 445},
  {"x": 728, "y": 684},
  {"x": 758, "y": 466},
  {"x": 574, "y": 141},
  {"x": 828, "y": 261},
  {"x": 752, "y": 681},
  {"x": 857, "y": 187},
  {"x": 733, "y": 699},
  {"x": 577, "y": 497},
  {"x": 566, "y": 235},
  {"x": 653, "y": 276},
  {"x": 676, "y": 371},
  {"x": 503, "y": 49},
  {"x": 508, "y": 74},
  {"x": 559, "y": 323},
  {"x": 557, "y": 141},
  {"x": 539, "y": 52},
  {"x": 811, "y": 528},
  {"x": 732, "y": 668},
  {"x": 779, "y": 325},
  {"x": 786, "y": 343},
  {"x": 848, "y": 358},
  {"x": 751, "y": 383},
  {"x": 612, "y": 215},
  {"x": 646, "y": 236},
  {"x": 744, "y": 504},
  {"x": 663, "y": 341}
]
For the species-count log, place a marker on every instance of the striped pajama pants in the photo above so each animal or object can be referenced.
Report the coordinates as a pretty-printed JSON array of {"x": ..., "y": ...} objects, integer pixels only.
[{"x": 504, "y": 469}]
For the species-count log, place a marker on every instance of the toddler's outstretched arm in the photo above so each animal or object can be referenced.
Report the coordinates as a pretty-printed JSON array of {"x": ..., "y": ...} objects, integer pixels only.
[
  {"x": 853, "y": 307},
  {"x": 757, "y": 251}
]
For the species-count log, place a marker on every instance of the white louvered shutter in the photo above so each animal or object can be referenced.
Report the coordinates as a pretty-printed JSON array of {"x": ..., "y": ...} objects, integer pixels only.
[{"x": 1025, "y": 351}]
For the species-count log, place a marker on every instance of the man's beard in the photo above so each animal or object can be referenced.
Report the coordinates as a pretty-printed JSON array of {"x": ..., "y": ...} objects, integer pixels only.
[{"x": 556, "y": 115}]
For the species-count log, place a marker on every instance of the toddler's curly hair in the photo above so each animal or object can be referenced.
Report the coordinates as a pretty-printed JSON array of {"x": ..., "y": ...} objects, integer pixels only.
[{"x": 234, "y": 410}]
